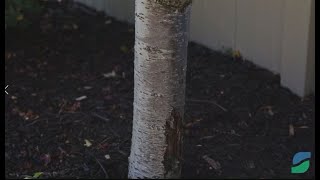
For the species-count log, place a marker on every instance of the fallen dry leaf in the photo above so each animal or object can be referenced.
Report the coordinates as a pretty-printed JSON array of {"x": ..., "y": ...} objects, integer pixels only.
[
  {"x": 214, "y": 164},
  {"x": 74, "y": 107},
  {"x": 29, "y": 115},
  {"x": 110, "y": 75},
  {"x": 87, "y": 143}
]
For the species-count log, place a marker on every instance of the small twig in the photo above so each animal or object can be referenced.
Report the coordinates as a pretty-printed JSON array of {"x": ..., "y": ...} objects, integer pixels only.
[
  {"x": 100, "y": 117},
  {"x": 225, "y": 132},
  {"x": 34, "y": 122},
  {"x": 207, "y": 101},
  {"x": 73, "y": 113},
  {"x": 206, "y": 137},
  {"x": 37, "y": 120},
  {"x": 114, "y": 132},
  {"x": 61, "y": 108},
  {"x": 214, "y": 164},
  {"x": 85, "y": 9},
  {"x": 122, "y": 152},
  {"x": 104, "y": 170}
]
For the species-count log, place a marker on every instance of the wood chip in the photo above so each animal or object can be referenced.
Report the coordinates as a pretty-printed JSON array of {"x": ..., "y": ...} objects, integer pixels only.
[
  {"x": 87, "y": 87},
  {"x": 107, "y": 156},
  {"x": 87, "y": 143},
  {"x": 107, "y": 22},
  {"x": 271, "y": 113},
  {"x": 81, "y": 98},
  {"x": 110, "y": 75},
  {"x": 207, "y": 137},
  {"x": 304, "y": 127},
  {"x": 214, "y": 164},
  {"x": 291, "y": 130}
]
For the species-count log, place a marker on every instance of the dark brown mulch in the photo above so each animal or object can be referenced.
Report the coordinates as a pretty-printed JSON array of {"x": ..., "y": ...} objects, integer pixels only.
[{"x": 237, "y": 114}]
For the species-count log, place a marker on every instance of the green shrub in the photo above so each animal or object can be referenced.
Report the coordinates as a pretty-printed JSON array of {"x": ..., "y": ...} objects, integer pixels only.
[{"x": 16, "y": 12}]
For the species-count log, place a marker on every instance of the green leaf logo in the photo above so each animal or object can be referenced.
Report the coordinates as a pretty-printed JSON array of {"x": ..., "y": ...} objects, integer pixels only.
[{"x": 301, "y": 162}]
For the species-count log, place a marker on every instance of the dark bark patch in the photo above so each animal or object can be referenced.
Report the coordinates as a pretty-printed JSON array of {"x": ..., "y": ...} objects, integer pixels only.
[{"x": 172, "y": 159}]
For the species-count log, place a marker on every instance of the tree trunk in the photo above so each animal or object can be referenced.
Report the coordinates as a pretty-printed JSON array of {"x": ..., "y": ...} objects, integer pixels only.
[{"x": 162, "y": 30}]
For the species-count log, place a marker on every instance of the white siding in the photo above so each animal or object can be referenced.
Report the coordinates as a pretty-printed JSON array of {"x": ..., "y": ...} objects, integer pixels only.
[
  {"x": 259, "y": 31},
  {"x": 213, "y": 23},
  {"x": 274, "y": 34},
  {"x": 298, "y": 45}
]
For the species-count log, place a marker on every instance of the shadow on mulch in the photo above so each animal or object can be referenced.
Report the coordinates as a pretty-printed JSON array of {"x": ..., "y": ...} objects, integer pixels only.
[{"x": 237, "y": 115}]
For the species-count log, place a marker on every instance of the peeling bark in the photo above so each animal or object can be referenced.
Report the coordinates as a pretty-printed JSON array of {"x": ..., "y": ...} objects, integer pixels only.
[
  {"x": 172, "y": 157},
  {"x": 160, "y": 65}
]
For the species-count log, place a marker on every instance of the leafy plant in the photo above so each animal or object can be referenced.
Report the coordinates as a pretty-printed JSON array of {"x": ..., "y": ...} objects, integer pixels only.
[
  {"x": 16, "y": 12},
  {"x": 35, "y": 176},
  {"x": 232, "y": 53}
]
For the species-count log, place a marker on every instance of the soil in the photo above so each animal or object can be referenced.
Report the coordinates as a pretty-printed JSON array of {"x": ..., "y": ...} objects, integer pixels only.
[{"x": 239, "y": 121}]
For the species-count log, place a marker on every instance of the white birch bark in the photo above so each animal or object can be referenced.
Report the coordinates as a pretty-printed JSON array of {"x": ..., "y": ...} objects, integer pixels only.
[{"x": 161, "y": 40}]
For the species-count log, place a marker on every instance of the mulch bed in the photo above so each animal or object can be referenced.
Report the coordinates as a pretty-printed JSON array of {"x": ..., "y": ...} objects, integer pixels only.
[{"x": 238, "y": 117}]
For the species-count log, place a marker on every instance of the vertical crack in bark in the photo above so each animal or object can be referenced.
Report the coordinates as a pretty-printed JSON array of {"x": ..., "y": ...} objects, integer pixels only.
[{"x": 173, "y": 152}]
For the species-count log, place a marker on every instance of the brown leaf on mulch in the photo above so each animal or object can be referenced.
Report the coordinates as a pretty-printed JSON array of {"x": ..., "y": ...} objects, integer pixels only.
[{"x": 214, "y": 164}]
